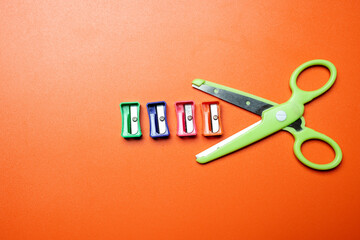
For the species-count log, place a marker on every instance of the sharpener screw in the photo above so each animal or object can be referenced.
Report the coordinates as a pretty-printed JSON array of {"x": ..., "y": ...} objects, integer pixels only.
[
  {"x": 162, "y": 118},
  {"x": 134, "y": 119}
]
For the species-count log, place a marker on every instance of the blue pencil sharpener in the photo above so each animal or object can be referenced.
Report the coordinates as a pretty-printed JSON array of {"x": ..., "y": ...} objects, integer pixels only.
[{"x": 157, "y": 118}]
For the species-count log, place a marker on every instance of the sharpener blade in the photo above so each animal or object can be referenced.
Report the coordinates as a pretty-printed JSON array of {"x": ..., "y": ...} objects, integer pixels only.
[
  {"x": 134, "y": 118},
  {"x": 160, "y": 110},
  {"x": 189, "y": 118},
  {"x": 214, "y": 114}
]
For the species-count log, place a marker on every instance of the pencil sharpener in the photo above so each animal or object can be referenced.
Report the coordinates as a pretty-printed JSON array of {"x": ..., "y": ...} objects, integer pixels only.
[
  {"x": 157, "y": 118},
  {"x": 185, "y": 113},
  {"x": 130, "y": 112},
  {"x": 211, "y": 118}
]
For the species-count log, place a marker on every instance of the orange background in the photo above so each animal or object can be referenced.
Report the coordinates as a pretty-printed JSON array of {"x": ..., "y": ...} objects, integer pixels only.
[{"x": 66, "y": 173}]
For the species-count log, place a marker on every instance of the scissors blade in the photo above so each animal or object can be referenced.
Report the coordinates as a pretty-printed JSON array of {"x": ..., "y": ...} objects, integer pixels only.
[
  {"x": 297, "y": 125},
  {"x": 239, "y": 140},
  {"x": 240, "y": 99},
  {"x": 205, "y": 156}
]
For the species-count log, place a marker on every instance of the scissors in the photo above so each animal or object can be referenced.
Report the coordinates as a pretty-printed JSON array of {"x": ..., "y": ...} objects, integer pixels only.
[{"x": 287, "y": 116}]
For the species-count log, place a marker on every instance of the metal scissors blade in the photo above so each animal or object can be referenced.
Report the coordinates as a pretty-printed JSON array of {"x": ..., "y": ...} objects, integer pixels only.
[
  {"x": 247, "y": 101},
  {"x": 240, "y": 100}
]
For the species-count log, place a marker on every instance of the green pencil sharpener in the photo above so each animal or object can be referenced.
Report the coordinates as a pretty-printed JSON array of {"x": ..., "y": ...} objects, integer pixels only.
[{"x": 130, "y": 113}]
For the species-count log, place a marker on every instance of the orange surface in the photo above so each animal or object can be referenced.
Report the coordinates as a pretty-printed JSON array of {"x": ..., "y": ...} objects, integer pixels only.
[{"x": 66, "y": 173}]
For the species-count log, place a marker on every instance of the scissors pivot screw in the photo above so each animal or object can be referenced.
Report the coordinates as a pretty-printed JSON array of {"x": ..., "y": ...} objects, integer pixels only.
[{"x": 281, "y": 116}]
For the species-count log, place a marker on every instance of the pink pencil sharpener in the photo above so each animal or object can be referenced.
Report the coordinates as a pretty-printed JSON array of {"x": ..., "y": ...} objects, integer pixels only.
[{"x": 185, "y": 114}]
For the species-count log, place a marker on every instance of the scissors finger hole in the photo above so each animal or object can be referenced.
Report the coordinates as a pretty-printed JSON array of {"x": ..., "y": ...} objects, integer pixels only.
[
  {"x": 313, "y": 78},
  {"x": 317, "y": 151}
]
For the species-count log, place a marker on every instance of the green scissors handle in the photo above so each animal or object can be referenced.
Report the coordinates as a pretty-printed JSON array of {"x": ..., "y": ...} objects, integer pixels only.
[
  {"x": 309, "y": 134},
  {"x": 303, "y": 96}
]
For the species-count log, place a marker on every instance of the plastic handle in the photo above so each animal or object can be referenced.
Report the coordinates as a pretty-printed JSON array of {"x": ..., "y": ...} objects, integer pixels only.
[
  {"x": 310, "y": 134},
  {"x": 305, "y": 96}
]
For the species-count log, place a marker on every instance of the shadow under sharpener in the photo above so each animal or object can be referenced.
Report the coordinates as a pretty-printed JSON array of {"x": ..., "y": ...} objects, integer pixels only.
[
  {"x": 130, "y": 112},
  {"x": 157, "y": 119}
]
